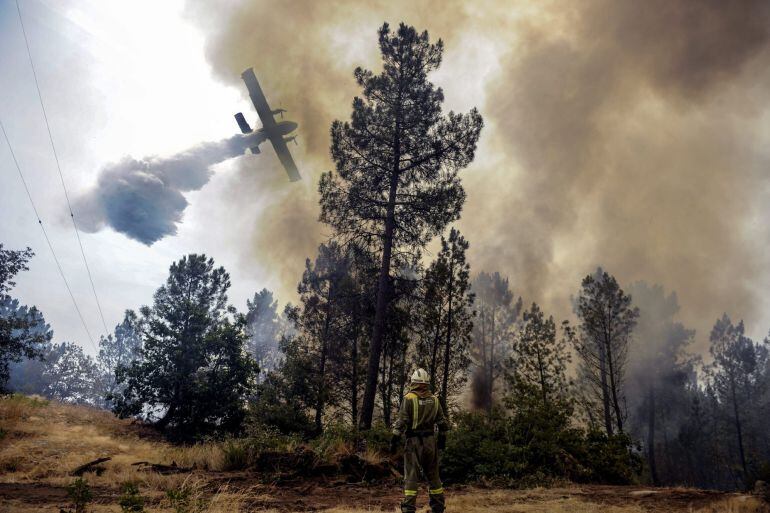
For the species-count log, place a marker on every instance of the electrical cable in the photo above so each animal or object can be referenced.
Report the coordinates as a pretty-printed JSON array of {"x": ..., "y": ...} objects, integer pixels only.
[
  {"x": 61, "y": 175},
  {"x": 47, "y": 239}
]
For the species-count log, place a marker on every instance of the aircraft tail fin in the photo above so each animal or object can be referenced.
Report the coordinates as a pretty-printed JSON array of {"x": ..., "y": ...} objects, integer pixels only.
[{"x": 242, "y": 123}]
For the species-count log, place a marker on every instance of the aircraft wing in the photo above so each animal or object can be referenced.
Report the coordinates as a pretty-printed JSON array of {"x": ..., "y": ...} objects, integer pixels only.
[
  {"x": 279, "y": 144},
  {"x": 258, "y": 98}
]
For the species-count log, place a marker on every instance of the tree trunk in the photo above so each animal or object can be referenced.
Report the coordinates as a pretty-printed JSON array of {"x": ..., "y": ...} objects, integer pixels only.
[
  {"x": 434, "y": 356},
  {"x": 738, "y": 430},
  {"x": 383, "y": 384},
  {"x": 543, "y": 385},
  {"x": 605, "y": 390},
  {"x": 651, "y": 436},
  {"x": 378, "y": 331},
  {"x": 614, "y": 390},
  {"x": 482, "y": 399},
  {"x": 163, "y": 422},
  {"x": 387, "y": 402},
  {"x": 491, "y": 377},
  {"x": 319, "y": 410},
  {"x": 354, "y": 382},
  {"x": 321, "y": 391},
  {"x": 448, "y": 344}
]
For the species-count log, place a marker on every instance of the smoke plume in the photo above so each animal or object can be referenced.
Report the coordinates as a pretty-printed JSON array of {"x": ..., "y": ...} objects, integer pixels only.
[
  {"x": 143, "y": 199},
  {"x": 633, "y": 127},
  {"x": 619, "y": 133}
]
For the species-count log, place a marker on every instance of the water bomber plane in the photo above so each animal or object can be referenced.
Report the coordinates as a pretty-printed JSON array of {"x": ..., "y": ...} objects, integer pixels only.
[{"x": 277, "y": 132}]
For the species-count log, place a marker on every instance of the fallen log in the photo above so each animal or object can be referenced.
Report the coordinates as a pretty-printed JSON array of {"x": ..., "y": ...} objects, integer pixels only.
[
  {"x": 90, "y": 466},
  {"x": 145, "y": 466}
]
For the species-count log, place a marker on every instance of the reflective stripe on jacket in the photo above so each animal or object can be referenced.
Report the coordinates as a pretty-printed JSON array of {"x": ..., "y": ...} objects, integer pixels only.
[{"x": 420, "y": 412}]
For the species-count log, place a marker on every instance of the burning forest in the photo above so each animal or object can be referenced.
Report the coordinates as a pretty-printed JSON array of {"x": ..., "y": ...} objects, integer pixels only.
[{"x": 516, "y": 266}]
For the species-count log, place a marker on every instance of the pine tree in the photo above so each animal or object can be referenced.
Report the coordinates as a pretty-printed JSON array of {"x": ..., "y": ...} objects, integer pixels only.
[
  {"x": 737, "y": 377},
  {"x": 396, "y": 184},
  {"x": 607, "y": 320},
  {"x": 193, "y": 370},
  {"x": 496, "y": 317},
  {"x": 538, "y": 361},
  {"x": 319, "y": 321},
  {"x": 446, "y": 318},
  {"x": 119, "y": 350},
  {"x": 660, "y": 372},
  {"x": 71, "y": 376},
  {"x": 263, "y": 328}
]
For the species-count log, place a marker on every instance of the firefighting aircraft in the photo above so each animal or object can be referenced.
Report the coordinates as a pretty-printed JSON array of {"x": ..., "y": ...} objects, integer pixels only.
[{"x": 271, "y": 130}]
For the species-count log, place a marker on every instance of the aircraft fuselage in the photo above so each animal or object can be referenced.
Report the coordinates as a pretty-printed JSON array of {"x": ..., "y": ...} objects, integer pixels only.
[
  {"x": 280, "y": 128},
  {"x": 271, "y": 130}
]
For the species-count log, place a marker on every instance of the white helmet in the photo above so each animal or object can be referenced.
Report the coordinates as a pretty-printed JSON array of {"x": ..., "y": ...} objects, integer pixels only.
[{"x": 420, "y": 376}]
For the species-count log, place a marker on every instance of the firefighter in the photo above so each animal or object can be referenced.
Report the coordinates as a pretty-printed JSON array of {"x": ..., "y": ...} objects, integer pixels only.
[{"x": 420, "y": 414}]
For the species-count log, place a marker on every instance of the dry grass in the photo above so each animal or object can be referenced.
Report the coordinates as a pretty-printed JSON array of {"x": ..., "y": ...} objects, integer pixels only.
[
  {"x": 44, "y": 441},
  {"x": 741, "y": 504},
  {"x": 556, "y": 501}
]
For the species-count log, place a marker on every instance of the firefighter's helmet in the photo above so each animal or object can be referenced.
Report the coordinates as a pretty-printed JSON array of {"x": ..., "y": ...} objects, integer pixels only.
[{"x": 420, "y": 376}]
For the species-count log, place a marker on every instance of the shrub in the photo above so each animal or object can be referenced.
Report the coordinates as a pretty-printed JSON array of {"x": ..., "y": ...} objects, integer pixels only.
[
  {"x": 276, "y": 406},
  {"x": 236, "y": 455},
  {"x": 344, "y": 438},
  {"x": 480, "y": 447},
  {"x": 535, "y": 445},
  {"x": 262, "y": 437},
  {"x": 80, "y": 494},
  {"x": 130, "y": 500},
  {"x": 185, "y": 500},
  {"x": 611, "y": 459}
]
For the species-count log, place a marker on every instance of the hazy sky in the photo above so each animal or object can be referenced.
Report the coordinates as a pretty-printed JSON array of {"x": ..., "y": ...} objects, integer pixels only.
[{"x": 632, "y": 135}]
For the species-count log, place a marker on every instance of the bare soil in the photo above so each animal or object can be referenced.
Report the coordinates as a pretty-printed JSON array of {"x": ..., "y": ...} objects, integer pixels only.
[{"x": 319, "y": 495}]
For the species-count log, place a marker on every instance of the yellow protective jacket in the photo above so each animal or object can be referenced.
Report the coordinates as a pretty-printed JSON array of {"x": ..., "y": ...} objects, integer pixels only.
[{"x": 420, "y": 412}]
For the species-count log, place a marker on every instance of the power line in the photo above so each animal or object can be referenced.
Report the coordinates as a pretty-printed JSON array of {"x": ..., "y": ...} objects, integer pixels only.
[
  {"x": 48, "y": 240},
  {"x": 58, "y": 167}
]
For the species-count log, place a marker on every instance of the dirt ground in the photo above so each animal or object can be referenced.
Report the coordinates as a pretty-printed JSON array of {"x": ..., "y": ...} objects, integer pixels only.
[
  {"x": 243, "y": 494},
  {"x": 41, "y": 443}
]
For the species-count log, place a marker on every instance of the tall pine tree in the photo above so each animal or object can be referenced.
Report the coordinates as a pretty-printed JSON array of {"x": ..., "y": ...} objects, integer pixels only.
[
  {"x": 396, "y": 184},
  {"x": 446, "y": 318},
  {"x": 607, "y": 319}
]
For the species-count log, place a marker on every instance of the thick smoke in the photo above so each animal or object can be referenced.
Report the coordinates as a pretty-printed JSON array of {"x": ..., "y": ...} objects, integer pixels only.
[
  {"x": 633, "y": 126},
  {"x": 143, "y": 199},
  {"x": 619, "y": 133},
  {"x": 304, "y": 54}
]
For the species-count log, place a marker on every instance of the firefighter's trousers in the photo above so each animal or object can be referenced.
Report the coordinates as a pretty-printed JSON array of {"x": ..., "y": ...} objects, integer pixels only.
[{"x": 421, "y": 454}]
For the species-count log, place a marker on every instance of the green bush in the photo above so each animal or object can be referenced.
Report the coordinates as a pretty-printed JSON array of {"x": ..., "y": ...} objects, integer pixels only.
[
  {"x": 480, "y": 447},
  {"x": 80, "y": 494},
  {"x": 535, "y": 445},
  {"x": 610, "y": 459},
  {"x": 276, "y": 406},
  {"x": 130, "y": 500},
  {"x": 263, "y": 437},
  {"x": 336, "y": 434},
  {"x": 183, "y": 500}
]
